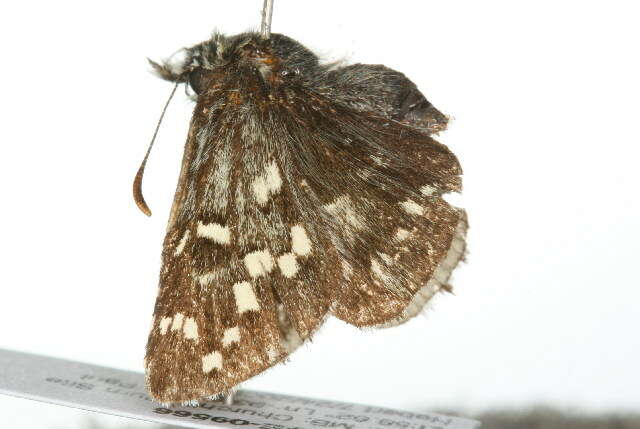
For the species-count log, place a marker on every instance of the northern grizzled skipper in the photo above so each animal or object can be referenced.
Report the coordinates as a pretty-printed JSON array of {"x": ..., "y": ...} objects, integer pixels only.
[{"x": 306, "y": 190}]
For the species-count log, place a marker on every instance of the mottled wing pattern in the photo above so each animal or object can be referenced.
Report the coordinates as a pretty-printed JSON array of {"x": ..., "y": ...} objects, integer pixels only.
[
  {"x": 380, "y": 184},
  {"x": 318, "y": 204},
  {"x": 427, "y": 244},
  {"x": 247, "y": 274}
]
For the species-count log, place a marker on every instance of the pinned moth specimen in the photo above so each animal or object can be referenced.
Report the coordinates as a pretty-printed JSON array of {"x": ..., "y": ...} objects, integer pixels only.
[{"x": 306, "y": 191}]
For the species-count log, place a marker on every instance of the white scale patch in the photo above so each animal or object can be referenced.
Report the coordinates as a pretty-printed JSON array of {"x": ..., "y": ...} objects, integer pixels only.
[
  {"x": 182, "y": 243},
  {"x": 347, "y": 269},
  {"x": 258, "y": 263},
  {"x": 386, "y": 258},
  {"x": 342, "y": 208},
  {"x": 412, "y": 207},
  {"x": 164, "y": 324},
  {"x": 190, "y": 328},
  {"x": 177, "y": 322},
  {"x": 402, "y": 234},
  {"x": 377, "y": 160},
  {"x": 267, "y": 184},
  {"x": 288, "y": 265},
  {"x": 214, "y": 231},
  {"x": 380, "y": 272},
  {"x": 300, "y": 246},
  {"x": 300, "y": 243},
  {"x": 245, "y": 297},
  {"x": 231, "y": 335},
  {"x": 427, "y": 190},
  {"x": 211, "y": 361}
]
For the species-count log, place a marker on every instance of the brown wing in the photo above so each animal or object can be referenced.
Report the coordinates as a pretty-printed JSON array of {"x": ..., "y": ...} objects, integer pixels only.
[
  {"x": 377, "y": 88},
  {"x": 246, "y": 273},
  {"x": 380, "y": 184}
]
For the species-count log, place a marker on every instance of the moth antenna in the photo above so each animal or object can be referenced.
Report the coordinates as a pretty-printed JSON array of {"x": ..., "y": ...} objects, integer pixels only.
[
  {"x": 267, "y": 14},
  {"x": 137, "y": 182}
]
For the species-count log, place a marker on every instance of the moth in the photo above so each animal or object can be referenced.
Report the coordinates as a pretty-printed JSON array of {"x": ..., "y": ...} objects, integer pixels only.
[{"x": 306, "y": 191}]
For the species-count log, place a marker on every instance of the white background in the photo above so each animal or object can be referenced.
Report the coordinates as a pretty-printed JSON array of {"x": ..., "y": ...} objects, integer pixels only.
[{"x": 545, "y": 99}]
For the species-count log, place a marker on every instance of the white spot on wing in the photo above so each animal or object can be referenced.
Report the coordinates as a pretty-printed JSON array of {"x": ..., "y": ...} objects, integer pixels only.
[
  {"x": 402, "y": 234},
  {"x": 164, "y": 324},
  {"x": 347, "y": 269},
  {"x": 182, "y": 243},
  {"x": 342, "y": 207},
  {"x": 214, "y": 231},
  {"x": 177, "y": 322},
  {"x": 427, "y": 190},
  {"x": 412, "y": 207},
  {"x": 211, "y": 361},
  {"x": 245, "y": 297},
  {"x": 380, "y": 272},
  {"x": 386, "y": 258},
  {"x": 258, "y": 263},
  {"x": 190, "y": 328},
  {"x": 231, "y": 335},
  {"x": 300, "y": 243},
  {"x": 268, "y": 183},
  {"x": 260, "y": 190},
  {"x": 273, "y": 180},
  {"x": 288, "y": 265},
  {"x": 377, "y": 160}
]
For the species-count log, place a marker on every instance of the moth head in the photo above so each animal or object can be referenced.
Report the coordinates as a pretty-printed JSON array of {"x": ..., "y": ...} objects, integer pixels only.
[
  {"x": 193, "y": 65},
  {"x": 278, "y": 58}
]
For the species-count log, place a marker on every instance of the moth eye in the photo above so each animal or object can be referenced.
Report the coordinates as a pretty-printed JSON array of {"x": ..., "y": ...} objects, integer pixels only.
[{"x": 196, "y": 81}]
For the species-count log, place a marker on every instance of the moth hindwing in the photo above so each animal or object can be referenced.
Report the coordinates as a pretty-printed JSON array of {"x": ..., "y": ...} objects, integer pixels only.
[{"x": 306, "y": 190}]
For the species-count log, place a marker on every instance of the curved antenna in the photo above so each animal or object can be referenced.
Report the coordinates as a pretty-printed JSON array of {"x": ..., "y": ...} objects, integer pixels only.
[
  {"x": 137, "y": 182},
  {"x": 267, "y": 14}
]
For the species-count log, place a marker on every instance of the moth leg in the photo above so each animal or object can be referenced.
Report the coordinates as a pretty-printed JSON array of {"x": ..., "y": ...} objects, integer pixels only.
[{"x": 385, "y": 91}]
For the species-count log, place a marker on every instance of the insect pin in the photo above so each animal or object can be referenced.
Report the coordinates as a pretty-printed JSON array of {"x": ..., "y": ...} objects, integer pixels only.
[{"x": 306, "y": 191}]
